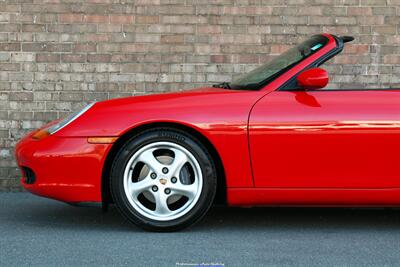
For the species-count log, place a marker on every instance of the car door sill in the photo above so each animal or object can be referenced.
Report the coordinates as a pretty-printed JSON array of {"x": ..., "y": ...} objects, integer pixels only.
[{"x": 313, "y": 197}]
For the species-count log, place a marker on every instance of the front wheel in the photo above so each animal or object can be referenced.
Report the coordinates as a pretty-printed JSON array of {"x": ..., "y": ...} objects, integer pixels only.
[{"x": 163, "y": 180}]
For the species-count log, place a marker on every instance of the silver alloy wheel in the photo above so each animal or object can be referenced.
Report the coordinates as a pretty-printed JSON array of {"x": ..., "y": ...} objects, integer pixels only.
[{"x": 163, "y": 181}]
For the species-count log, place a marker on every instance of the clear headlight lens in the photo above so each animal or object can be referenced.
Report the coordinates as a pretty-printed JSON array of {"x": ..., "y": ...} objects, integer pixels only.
[
  {"x": 67, "y": 120},
  {"x": 61, "y": 124}
]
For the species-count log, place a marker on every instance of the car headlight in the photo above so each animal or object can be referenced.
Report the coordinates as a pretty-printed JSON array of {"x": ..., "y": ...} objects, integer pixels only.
[{"x": 61, "y": 124}]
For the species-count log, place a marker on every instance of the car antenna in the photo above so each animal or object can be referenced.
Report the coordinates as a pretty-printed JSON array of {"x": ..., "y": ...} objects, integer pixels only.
[{"x": 346, "y": 39}]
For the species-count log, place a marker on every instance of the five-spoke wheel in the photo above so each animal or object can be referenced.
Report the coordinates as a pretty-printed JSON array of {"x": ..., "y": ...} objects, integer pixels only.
[{"x": 163, "y": 179}]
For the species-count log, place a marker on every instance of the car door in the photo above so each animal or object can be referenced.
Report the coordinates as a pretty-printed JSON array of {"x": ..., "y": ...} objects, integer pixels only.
[{"x": 326, "y": 139}]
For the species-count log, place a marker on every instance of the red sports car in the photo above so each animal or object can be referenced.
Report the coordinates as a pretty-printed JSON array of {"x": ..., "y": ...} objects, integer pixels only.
[{"x": 270, "y": 137}]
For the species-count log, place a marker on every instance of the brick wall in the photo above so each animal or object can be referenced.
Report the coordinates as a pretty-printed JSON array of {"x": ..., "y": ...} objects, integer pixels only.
[{"x": 57, "y": 55}]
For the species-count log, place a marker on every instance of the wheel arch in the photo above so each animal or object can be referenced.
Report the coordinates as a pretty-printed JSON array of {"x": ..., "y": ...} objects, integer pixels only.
[{"x": 220, "y": 197}]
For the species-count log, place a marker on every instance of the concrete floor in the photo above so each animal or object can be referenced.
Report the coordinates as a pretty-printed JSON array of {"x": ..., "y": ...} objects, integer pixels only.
[{"x": 39, "y": 232}]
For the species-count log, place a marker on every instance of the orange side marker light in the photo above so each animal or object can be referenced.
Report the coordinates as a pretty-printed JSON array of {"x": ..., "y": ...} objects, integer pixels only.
[
  {"x": 102, "y": 140},
  {"x": 40, "y": 134}
]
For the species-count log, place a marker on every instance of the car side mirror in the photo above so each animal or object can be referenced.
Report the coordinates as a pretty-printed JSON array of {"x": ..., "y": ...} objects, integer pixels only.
[{"x": 315, "y": 78}]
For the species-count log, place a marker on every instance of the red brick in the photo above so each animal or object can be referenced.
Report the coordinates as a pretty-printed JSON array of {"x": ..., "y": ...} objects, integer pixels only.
[
  {"x": 391, "y": 59},
  {"x": 249, "y": 59},
  {"x": 109, "y": 47},
  {"x": 96, "y": 18},
  {"x": 84, "y": 47},
  {"x": 99, "y": 58},
  {"x": 123, "y": 19},
  {"x": 124, "y": 58},
  {"x": 209, "y": 29},
  {"x": 70, "y": 18},
  {"x": 93, "y": 37},
  {"x": 357, "y": 49},
  {"x": 345, "y": 60},
  {"x": 218, "y": 59},
  {"x": 172, "y": 39},
  {"x": 278, "y": 49},
  {"x": 359, "y": 11},
  {"x": 139, "y": 48},
  {"x": 147, "y": 19}
]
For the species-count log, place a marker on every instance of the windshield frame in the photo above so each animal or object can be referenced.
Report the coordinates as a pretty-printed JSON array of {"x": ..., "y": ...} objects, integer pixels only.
[{"x": 326, "y": 47}]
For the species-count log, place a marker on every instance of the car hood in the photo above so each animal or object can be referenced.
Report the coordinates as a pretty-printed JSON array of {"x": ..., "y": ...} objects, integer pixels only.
[
  {"x": 198, "y": 107},
  {"x": 201, "y": 91}
]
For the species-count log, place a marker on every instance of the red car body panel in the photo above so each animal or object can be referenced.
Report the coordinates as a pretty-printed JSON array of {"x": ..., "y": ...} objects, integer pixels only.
[
  {"x": 326, "y": 139},
  {"x": 67, "y": 168},
  {"x": 276, "y": 147}
]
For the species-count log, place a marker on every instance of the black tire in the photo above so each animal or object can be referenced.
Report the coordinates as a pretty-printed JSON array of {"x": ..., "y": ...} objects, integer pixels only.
[{"x": 189, "y": 142}]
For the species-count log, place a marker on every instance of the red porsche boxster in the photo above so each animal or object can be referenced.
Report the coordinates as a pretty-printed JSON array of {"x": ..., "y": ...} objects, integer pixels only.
[{"x": 269, "y": 137}]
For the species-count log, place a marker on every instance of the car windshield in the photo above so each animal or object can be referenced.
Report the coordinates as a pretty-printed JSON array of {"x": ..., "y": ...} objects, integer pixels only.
[{"x": 259, "y": 77}]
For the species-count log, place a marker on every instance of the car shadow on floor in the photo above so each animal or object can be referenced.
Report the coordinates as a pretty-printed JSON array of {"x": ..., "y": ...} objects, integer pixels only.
[
  {"x": 47, "y": 213},
  {"x": 295, "y": 218}
]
